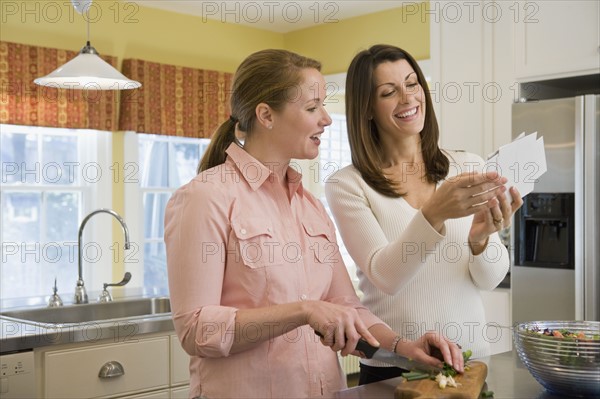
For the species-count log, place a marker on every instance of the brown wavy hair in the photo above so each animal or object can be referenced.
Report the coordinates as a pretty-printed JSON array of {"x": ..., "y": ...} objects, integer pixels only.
[
  {"x": 267, "y": 76},
  {"x": 364, "y": 138}
]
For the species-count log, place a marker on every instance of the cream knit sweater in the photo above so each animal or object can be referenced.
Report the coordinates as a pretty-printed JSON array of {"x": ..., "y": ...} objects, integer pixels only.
[{"x": 412, "y": 277}]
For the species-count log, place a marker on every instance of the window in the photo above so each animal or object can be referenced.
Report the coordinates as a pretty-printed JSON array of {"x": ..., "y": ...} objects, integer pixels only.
[
  {"x": 51, "y": 178},
  {"x": 334, "y": 154},
  {"x": 165, "y": 164}
]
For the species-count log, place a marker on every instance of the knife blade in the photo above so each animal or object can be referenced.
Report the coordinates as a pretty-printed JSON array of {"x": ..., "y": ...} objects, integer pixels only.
[{"x": 389, "y": 357}]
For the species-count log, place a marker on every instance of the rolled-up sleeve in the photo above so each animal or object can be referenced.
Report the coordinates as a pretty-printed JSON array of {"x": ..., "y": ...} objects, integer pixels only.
[{"x": 196, "y": 224}]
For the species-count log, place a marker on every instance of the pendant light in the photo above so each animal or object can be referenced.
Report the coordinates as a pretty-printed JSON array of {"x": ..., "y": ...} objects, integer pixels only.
[{"x": 87, "y": 70}]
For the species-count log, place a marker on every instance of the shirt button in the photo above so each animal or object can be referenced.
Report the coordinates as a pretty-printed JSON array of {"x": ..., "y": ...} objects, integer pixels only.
[
  {"x": 269, "y": 229},
  {"x": 243, "y": 231},
  {"x": 303, "y": 297},
  {"x": 310, "y": 229}
]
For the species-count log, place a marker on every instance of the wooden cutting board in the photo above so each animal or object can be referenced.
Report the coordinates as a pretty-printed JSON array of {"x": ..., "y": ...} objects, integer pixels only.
[{"x": 471, "y": 384}]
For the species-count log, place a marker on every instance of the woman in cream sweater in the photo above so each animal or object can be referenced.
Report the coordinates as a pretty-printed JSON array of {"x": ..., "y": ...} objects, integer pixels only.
[{"x": 420, "y": 223}]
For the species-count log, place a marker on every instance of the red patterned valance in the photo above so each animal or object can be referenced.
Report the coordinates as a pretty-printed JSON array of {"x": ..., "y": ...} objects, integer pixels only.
[
  {"x": 22, "y": 102},
  {"x": 173, "y": 100}
]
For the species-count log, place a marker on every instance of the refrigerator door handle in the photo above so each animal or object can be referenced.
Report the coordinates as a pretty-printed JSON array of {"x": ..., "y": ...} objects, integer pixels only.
[{"x": 591, "y": 163}]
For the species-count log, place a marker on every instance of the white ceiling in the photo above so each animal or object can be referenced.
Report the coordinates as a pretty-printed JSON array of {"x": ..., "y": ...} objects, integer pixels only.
[{"x": 274, "y": 15}]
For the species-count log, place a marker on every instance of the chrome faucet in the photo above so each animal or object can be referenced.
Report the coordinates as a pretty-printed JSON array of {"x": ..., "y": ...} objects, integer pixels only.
[{"x": 80, "y": 293}]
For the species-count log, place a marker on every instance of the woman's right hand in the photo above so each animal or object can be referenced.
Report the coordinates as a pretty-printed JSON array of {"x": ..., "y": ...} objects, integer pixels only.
[
  {"x": 340, "y": 327},
  {"x": 422, "y": 350},
  {"x": 463, "y": 195}
]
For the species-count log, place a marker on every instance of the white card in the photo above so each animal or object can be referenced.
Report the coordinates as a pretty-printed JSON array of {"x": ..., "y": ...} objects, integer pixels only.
[{"x": 521, "y": 161}]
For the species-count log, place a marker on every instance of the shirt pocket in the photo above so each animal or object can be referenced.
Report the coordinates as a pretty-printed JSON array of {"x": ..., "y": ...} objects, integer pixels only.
[
  {"x": 257, "y": 246},
  {"x": 321, "y": 241}
]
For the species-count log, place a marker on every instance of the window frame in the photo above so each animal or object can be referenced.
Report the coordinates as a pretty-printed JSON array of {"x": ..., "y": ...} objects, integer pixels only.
[{"x": 134, "y": 206}]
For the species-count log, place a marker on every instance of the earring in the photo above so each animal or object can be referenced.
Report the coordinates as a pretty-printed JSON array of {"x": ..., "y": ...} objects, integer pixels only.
[{"x": 270, "y": 127}]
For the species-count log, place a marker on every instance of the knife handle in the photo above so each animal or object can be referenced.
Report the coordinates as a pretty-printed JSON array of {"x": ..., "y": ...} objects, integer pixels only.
[
  {"x": 363, "y": 346},
  {"x": 366, "y": 348}
]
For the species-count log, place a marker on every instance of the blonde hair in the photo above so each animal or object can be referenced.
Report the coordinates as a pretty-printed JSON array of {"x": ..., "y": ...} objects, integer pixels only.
[{"x": 266, "y": 76}]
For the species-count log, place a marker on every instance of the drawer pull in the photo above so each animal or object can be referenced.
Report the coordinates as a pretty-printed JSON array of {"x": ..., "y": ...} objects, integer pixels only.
[{"x": 111, "y": 369}]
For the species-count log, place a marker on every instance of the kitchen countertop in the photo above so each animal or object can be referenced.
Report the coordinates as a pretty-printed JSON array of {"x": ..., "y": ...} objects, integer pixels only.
[
  {"x": 17, "y": 335},
  {"x": 507, "y": 378}
]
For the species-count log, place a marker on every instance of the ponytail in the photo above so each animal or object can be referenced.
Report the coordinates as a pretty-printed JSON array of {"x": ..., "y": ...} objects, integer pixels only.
[{"x": 221, "y": 139}]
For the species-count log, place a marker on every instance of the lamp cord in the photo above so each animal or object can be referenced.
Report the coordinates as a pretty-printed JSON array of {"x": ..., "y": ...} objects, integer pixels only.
[{"x": 87, "y": 18}]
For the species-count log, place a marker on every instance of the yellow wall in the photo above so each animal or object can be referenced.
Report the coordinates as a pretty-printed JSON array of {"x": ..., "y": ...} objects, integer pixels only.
[
  {"x": 125, "y": 30},
  {"x": 130, "y": 31},
  {"x": 334, "y": 44}
]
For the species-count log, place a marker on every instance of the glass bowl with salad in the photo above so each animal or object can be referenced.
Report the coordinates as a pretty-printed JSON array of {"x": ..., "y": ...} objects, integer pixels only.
[{"x": 563, "y": 356}]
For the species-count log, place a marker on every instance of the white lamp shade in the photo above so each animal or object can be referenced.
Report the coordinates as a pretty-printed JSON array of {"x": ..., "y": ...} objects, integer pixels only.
[{"x": 89, "y": 72}]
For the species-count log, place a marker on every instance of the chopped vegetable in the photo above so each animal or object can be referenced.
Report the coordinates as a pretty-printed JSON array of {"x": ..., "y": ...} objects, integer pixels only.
[
  {"x": 415, "y": 375},
  {"x": 564, "y": 334},
  {"x": 444, "y": 380},
  {"x": 487, "y": 394},
  {"x": 448, "y": 370}
]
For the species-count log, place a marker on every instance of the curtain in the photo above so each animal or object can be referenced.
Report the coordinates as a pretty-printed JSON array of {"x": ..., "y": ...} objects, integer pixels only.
[
  {"x": 173, "y": 100},
  {"x": 22, "y": 102}
]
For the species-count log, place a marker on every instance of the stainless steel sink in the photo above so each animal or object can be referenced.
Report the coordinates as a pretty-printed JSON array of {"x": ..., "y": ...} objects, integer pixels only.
[{"x": 118, "y": 309}]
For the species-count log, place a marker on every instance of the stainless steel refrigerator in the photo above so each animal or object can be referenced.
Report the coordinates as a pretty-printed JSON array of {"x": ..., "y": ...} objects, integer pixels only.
[{"x": 555, "y": 272}]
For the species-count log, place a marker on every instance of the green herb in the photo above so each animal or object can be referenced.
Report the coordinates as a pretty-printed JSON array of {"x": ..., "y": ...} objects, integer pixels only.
[
  {"x": 467, "y": 355},
  {"x": 449, "y": 371},
  {"x": 487, "y": 394}
]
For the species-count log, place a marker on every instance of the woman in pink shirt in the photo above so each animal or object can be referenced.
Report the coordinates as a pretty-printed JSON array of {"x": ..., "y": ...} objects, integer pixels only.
[{"x": 254, "y": 268}]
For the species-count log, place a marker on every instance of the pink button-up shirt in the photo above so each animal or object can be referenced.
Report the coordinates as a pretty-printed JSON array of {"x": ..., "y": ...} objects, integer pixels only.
[{"x": 236, "y": 241}]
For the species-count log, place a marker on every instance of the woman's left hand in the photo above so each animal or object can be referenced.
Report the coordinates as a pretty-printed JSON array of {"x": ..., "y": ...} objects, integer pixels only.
[
  {"x": 494, "y": 219},
  {"x": 422, "y": 350}
]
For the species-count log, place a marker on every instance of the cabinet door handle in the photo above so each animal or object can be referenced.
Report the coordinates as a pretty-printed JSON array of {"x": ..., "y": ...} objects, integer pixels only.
[{"x": 111, "y": 369}]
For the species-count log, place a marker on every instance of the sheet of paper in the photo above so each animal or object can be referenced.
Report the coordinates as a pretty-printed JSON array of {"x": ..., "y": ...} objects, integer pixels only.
[{"x": 521, "y": 161}]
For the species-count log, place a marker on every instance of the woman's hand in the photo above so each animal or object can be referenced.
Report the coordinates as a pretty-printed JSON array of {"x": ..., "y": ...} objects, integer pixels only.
[
  {"x": 488, "y": 221},
  {"x": 340, "y": 327},
  {"x": 424, "y": 348},
  {"x": 463, "y": 195}
]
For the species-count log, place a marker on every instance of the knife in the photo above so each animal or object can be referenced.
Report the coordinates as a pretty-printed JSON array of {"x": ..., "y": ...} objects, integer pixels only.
[{"x": 389, "y": 357}]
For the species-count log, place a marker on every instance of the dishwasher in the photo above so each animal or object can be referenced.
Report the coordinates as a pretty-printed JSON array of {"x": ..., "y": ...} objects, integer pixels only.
[{"x": 17, "y": 375}]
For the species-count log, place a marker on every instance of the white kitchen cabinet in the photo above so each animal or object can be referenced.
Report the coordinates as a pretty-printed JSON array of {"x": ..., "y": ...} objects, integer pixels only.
[
  {"x": 180, "y": 361},
  {"x": 498, "y": 330},
  {"x": 180, "y": 393},
  {"x": 154, "y": 367},
  {"x": 164, "y": 394},
  {"x": 481, "y": 51},
  {"x": 473, "y": 85},
  {"x": 73, "y": 372},
  {"x": 556, "y": 39}
]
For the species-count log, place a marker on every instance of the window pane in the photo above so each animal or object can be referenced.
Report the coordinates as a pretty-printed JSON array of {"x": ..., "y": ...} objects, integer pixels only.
[
  {"x": 62, "y": 210},
  {"x": 20, "y": 163},
  {"x": 21, "y": 217},
  {"x": 155, "y": 264},
  {"x": 187, "y": 157},
  {"x": 59, "y": 160},
  {"x": 154, "y": 163},
  {"x": 154, "y": 214},
  {"x": 30, "y": 269}
]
